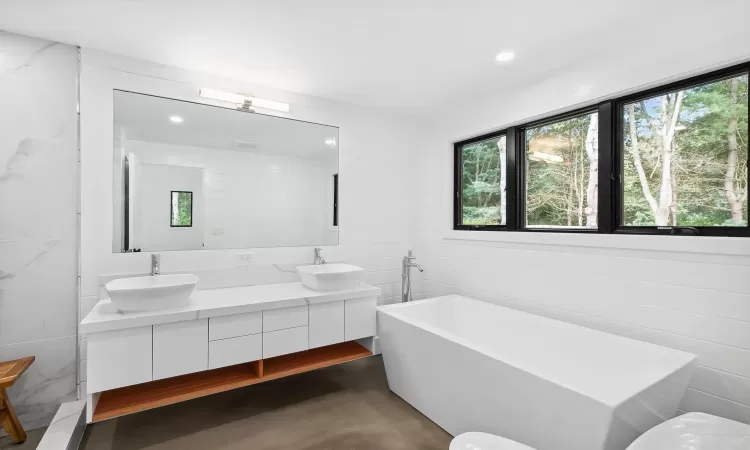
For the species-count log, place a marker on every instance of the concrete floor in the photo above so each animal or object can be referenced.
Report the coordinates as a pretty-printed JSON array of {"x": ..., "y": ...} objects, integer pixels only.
[
  {"x": 32, "y": 440},
  {"x": 344, "y": 407}
]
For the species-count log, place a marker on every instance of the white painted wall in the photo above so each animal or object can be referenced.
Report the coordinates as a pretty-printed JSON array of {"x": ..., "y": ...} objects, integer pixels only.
[
  {"x": 688, "y": 293},
  {"x": 375, "y": 181},
  {"x": 38, "y": 221},
  {"x": 254, "y": 200}
]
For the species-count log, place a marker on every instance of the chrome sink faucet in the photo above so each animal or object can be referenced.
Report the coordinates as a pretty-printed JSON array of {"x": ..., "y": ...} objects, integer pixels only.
[
  {"x": 406, "y": 266},
  {"x": 319, "y": 260},
  {"x": 155, "y": 263}
]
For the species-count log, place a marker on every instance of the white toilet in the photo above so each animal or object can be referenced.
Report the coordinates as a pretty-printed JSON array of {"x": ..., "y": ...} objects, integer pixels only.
[
  {"x": 691, "y": 431},
  {"x": 695, "y": 431}
]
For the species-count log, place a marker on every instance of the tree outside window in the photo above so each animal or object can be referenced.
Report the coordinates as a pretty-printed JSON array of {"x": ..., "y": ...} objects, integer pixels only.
[
  {"x": 483, "y": 174},
  {"x": 685, "y": 158},
  {"x": 562, "y": 170}
]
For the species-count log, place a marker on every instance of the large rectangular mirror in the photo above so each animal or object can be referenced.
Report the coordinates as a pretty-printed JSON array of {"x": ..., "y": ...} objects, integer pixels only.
[{"x": 189, "y": 176}]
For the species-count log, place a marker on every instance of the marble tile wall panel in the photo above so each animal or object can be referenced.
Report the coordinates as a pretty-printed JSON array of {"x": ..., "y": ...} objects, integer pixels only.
[{"x": 38, "y": 221}]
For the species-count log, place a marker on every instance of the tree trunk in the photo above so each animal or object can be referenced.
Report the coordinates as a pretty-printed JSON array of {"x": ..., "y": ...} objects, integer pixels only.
[
  {"x": 637, "y": 161},
  {"x": 670, "y": 112},
  {"x": 502, "y": 159},
  {"x": 673, "y": 205},
  {"x": 592, "y": 191},
  {"x": 476, "y": 178},
  {"x": 735, "y": 204},
  {"x": 579, "y": 188}
]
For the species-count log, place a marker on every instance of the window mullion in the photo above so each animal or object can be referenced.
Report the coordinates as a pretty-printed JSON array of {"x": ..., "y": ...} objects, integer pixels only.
[
  {"x": 607, "y": 170},
  {"x": 512, "y": 191}
]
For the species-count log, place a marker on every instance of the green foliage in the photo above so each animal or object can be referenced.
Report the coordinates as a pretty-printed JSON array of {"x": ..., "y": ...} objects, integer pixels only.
[
  {"x": 556, "y": 187},
  {"x": 183, "y": 212},
  {"x": 481, "y": 183},
  {"x": 700, "y": 160}
]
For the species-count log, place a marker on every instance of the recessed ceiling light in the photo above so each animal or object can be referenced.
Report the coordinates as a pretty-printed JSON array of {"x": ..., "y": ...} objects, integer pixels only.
[
  {"x": 176, "y": 119},
  {"x": 504, "y": 56}
]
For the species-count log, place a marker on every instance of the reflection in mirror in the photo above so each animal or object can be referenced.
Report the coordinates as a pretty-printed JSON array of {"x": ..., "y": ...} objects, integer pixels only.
[
  {"x": 189, "y": 176},
  {"x": 182, "y": 209}
]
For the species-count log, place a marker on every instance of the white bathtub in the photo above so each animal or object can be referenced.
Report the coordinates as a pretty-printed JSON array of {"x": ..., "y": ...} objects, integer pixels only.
[{"x": 473, "y": 366}]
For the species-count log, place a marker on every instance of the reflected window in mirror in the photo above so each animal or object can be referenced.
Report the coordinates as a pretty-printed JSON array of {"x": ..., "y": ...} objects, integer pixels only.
[{"x": 181, "y": 209}]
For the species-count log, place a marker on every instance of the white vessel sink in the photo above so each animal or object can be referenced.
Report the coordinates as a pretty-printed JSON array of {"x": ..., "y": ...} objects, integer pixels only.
[
  {"x": 331, "y": 277},
  {"x": 151, "y": 293}
]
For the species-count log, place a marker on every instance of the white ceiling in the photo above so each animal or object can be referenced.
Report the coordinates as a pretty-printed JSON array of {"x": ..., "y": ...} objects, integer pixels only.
[
  {"x": 413, "y": 57},
  {"x": 147, "y": 118}
]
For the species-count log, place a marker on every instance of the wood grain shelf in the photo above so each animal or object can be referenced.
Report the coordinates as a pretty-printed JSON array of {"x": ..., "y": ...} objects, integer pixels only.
[
  {"x": 316, "y": 358},
  {"x": 154, "y": 394}
]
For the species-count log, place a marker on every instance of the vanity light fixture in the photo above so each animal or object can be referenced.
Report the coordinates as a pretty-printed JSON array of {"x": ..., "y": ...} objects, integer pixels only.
[
  {"x": 504, "y": 56},
  {"x": 243, "y": 102},
  {"x": 176, "y": 119}
]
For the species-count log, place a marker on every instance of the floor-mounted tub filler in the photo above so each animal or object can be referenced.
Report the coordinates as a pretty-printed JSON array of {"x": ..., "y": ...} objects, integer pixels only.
[{"x": 473, "y": 366}]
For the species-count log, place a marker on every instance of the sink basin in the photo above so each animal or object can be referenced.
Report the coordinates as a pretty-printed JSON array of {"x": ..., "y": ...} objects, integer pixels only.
[
  {"x": 331, "y": 277},
  {"x": 151, "y": 293}
]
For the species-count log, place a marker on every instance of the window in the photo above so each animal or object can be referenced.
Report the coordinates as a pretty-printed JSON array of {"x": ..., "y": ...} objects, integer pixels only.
[
  {"x": 685, "y": 157},
  {"x": 481, "y": 182},
  {"x": 562, "y": 169},
  {"x": 668, "y": 160},
  {"x": 181, "y": 204}
]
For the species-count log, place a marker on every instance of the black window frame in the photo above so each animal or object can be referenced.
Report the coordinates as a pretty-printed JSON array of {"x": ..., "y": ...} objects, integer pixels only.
[
  {"x": 611, "y": 164},
  {"x": 171, "y": 209},
  {"x": 458, "y": 182},
  {"x": 335, "y": 200}
]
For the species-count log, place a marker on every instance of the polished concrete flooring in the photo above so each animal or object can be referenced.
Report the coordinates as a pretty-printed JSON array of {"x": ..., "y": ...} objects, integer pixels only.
[
  {"x": 32, "y": 440},
  {"x": 344, "y": 407}
]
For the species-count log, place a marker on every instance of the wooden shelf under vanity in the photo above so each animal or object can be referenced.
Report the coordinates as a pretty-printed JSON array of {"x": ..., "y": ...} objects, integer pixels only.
[{"x": 154, "y": 394}]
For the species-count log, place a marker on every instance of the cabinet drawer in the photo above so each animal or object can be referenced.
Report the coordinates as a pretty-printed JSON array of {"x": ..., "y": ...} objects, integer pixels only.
[
  {"x": 283, "y": 318},
  {"x": 235, "y": 325},
  {"x": 282, "y": 342},
  {"x": 180, "y": 348},
  {"x": 228, "y": 352}
]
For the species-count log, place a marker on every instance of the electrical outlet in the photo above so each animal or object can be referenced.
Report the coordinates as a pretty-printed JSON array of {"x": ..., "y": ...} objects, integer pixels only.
[{"x": 244, "y": 259}]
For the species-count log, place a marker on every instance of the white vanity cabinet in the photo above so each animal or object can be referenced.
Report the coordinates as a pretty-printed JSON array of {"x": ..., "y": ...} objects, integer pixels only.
[
  {"x": 118, "y": 358},
  {"x": 246, "y": 328},
  {"x": 180, "y": 348}
]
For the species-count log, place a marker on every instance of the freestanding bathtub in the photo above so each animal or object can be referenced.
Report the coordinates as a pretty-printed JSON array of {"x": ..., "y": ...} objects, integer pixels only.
[{"x": 473, "y": 366}]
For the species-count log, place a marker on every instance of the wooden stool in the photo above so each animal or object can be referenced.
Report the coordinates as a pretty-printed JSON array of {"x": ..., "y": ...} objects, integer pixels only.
[{"x": 10, "y": 371}]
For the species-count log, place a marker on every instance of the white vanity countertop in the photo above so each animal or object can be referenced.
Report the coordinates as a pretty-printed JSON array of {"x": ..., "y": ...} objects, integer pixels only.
[{"x": 218, "y": 302}]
